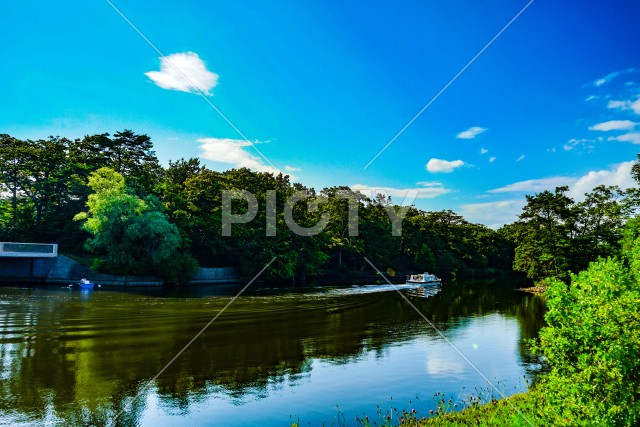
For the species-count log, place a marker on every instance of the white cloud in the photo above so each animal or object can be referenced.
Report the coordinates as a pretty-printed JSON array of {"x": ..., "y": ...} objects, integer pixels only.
[
  {"x": 471, "y": 133},
  {"x": 609, "y": 77},
  {"x": 619, "y": 174},
  {"x": 184, "y": 72},
  {"x": 492, "y": 159},
  {"x": 619, "y": 105},
  {"x": 291, "y": 168},
  {"x": 520, "y": 158},
  {"x": 496, "y": 214},
  {"x": 428, "y": 190},
  {"x": 234, "y": 153},
  {"x": 614, "y": 125},
  {"x": 429, "y": 183},
  {"x": 445, "y": 166},
  {"x": 625, "y": 105},
  {"x": 591, "y": 98},
  {"x": 632, "y": 137},
  {"x": 535, "y": 185},
  {"x": 493, "y": 214},
  {"x": 483, "y": 151}
]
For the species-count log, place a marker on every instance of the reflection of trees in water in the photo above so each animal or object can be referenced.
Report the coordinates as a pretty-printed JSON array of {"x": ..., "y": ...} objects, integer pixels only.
[{"x": 86, "y": 360}]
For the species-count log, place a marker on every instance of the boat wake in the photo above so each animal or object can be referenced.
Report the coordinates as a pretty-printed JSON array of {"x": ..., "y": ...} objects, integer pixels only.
[{"x": 408, "y": 288}]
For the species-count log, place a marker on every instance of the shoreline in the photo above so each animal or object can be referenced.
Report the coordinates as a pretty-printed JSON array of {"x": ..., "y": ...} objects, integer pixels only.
[{"x": 536, "y": 290}]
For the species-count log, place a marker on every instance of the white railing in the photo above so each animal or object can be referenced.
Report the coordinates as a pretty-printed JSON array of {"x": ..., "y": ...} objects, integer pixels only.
[{"x": 31, "y": 250}]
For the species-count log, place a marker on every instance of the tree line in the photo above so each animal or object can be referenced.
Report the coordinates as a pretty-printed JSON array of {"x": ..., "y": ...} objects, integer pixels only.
[
  {"x": 110, "y": 196},
  {"x": 556, "y": 236}
]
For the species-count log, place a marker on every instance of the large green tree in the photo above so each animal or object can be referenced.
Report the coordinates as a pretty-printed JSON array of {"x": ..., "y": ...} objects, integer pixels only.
[
  {"x": 543, "y": 235},
  {"x": 132, "y": 232}
]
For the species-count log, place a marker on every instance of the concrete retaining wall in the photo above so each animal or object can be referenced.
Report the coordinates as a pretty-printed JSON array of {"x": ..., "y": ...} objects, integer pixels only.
[
  {"x": 64, "y": 270},
  {"x": 25, "y": 269},
  {"x": 215, "y": 275}
]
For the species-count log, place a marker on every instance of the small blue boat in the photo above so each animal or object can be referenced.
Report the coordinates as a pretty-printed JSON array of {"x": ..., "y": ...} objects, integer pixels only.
[{"x": 85, "y": 284}]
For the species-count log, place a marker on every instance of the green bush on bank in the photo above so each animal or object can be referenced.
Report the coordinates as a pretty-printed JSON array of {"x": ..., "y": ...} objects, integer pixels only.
[{"x": 592, "y": 342}]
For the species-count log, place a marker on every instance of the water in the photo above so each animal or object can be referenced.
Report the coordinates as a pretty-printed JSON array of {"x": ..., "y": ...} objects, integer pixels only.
[{"x": 69, "y": 357}]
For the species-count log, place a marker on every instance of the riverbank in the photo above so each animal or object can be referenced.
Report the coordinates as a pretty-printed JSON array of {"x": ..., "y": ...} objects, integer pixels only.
[
  {"x": 522, "y": 409},
  {"x": 518, "y": 410},
  {"x": 536, "y": 290}
]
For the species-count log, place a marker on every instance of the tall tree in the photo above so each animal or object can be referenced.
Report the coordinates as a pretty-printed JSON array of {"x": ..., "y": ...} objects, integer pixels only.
[
  {"x": 601, "y": 218},
  {"x": 132, "y": 156},
  {"x": 543, "y": 235}
]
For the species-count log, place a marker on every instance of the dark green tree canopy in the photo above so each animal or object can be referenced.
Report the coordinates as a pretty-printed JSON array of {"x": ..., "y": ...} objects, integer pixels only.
[{"x": 45, "y": 183}]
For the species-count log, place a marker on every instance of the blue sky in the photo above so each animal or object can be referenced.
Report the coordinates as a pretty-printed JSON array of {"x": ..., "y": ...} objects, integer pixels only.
[{"x": 322, "y": 87}]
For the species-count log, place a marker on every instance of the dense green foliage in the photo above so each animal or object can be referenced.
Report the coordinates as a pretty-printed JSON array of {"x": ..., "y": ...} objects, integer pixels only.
[
  {"x": 135, "y": 234},
  {"x": 556, "y": 235},
  {"x": 43, "y": 183},
  {"x": 137, "y": 213},
  {"x": 592, "y": 342},
  {"x": 154, "y": 211}
]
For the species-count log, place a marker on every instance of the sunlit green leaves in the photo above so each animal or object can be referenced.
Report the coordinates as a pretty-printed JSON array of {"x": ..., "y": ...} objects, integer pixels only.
[
  {"x": 131, "y": 231},
  {"x": 592, "y": 343}
]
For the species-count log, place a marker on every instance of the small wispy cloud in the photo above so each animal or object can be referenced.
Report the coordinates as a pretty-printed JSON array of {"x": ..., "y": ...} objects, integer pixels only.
[
  {"x": 291, "y": 168},
  {"x": 429, "y": 191},
  {"x": 611, "y": 76},
  {"x": 471, "y": 133},
  {"x": 632, "y": 137},
  {"x": 429, "y": 183},
  {"x": 492, "y": 159},
  {"x": 483, "y": 151},
  {"x": 588, "y": 143},
  {"x": 443, "y": 166},
  {"x": 535, "y": 185},
  {"x": 614, "y": 125},
  {"x": 521, "y": 158},
  {"x": 184, "y": 72},
  {"x": 232, "y": 152}
]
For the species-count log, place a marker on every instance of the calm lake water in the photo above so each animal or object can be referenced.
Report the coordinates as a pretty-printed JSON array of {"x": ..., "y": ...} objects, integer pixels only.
[{"x": 79, "y": 358}]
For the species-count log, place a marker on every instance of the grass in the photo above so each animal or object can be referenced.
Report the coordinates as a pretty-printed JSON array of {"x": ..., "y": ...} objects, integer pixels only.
[
  {"x": 518, "y": 410},
  {"x": 523, "y": 409}
]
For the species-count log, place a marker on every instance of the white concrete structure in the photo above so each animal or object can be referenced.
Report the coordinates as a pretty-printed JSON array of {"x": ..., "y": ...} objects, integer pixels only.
[{"x": 28, "y": 250}]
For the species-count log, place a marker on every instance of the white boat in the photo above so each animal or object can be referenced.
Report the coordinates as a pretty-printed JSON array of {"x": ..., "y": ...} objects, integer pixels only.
[{"x": 424, "y": 279}]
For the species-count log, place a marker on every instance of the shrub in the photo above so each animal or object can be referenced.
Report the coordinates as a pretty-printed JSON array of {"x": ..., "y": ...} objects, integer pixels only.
[
  {"x": 592, "y": 343},
  {"x": 178, "y": 269}
]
